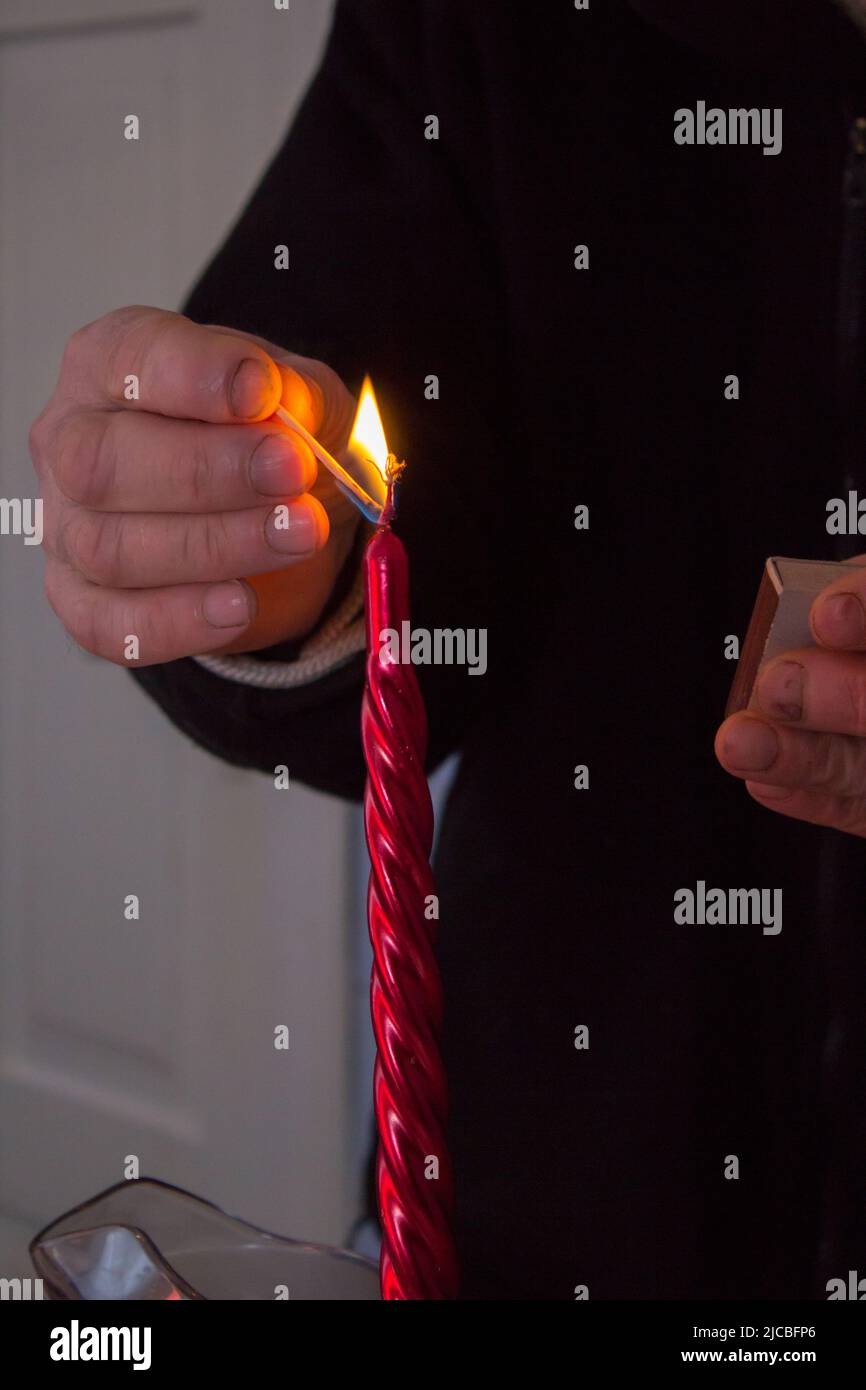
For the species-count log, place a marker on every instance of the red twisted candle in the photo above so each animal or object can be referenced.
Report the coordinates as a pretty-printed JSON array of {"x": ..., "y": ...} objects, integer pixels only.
[{"x": 413, "y": 1172}]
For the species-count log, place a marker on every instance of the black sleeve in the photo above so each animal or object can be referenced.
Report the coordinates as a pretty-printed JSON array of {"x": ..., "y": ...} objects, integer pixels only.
[{"x": 392, "y": 270}]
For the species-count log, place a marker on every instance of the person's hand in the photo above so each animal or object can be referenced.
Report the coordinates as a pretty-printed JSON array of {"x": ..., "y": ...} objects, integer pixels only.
[
  {"x": 802, "y": 751},
  {"x": 184, "y": 515}
]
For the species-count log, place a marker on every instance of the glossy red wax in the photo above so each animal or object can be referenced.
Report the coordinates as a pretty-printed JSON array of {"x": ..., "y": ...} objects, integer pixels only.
[{"x": 418, "y": 1260}]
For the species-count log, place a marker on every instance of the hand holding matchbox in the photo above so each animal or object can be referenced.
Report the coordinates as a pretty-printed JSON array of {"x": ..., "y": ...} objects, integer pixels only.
[{"x": 780, "y": 618}]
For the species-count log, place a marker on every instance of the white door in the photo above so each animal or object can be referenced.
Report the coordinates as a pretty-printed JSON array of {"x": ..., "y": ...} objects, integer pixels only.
[{"x": 152, "y": 1038}]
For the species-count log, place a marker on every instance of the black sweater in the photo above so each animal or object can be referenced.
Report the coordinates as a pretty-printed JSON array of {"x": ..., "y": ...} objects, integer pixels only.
[{"x": 602, "y": 387}]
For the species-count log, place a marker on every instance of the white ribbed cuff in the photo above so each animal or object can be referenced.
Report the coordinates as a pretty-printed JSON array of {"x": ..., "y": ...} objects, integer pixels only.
[{"x": 325, "y": 650}]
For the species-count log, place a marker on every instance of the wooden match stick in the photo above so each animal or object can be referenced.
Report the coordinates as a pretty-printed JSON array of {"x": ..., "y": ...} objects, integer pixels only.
[{"x": 369, "y": 507}]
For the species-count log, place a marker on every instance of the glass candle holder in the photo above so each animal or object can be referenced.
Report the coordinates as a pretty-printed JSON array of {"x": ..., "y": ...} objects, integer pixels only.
[{"x": 145, "y": 1240}]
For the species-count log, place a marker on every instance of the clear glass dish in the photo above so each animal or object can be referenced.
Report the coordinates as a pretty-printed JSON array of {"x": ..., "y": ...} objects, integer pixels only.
[{"x": 145, "y": 1240}]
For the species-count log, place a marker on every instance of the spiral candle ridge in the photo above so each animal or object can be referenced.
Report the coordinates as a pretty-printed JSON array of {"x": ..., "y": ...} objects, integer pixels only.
[{"x": 414, "y": 1175}]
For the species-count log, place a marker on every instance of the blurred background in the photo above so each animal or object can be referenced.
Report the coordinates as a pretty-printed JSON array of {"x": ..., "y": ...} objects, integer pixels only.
[{"x": 153, "y": 1038}]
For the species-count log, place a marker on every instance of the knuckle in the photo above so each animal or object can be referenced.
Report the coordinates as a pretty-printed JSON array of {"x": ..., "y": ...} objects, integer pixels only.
[
  {"x": 854, "y": 695},
  {"x": 829, "y": 763},
  {"x": 99, "y": 339},
  {"x": 135, "y": 340},
  {"x": 206, "y": 547},
  {"x": 82, "y": 465},
  {"x": 54, "y": 589},
  {"x": 846, "y": 768},
  {"x": 86, "y": 625},
  {"x": 79, "y": 348},
  {"x": 200, "y": 472},
  {"x": 155, "y": 626},
  {"x": 127, "y": 314},
  {"x": 92, "y": 542},
  {"x": 37, "y": 438},
  {"x": 77, "y": 612},
  {"x": 51, "y": 527}
]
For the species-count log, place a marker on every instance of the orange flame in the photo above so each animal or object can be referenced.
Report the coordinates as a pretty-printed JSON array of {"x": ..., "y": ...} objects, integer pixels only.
[{"x": 367, "y": 440}]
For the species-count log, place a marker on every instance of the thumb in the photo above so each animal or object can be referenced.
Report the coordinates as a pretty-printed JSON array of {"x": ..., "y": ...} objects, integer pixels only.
[{"x": 311, "y": 391}]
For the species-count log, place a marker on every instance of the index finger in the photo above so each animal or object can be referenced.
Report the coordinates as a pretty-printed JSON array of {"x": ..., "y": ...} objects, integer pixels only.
[
  {"x": 154, "y": 360},
  {"x": 838, "y": 614}
]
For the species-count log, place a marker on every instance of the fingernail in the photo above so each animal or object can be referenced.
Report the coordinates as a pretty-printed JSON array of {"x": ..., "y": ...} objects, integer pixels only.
[
  {"x": 293, "y": 529},
  {"x": 780, "y": 690},
  {"x": 276, "y": 468},
  {"x": 226, "y": 605},
  {"x": 751, "y": 745},
  {"x": 250, "y": 388},
  {"x": 840, "y": 621}
]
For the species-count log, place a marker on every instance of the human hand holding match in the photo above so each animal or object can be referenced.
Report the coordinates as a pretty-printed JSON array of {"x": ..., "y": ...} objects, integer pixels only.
[{"x": 176, "y": 507}]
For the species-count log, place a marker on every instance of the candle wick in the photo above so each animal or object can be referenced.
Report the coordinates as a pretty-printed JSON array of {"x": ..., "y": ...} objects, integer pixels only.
[{"x": 393, "y": 473}]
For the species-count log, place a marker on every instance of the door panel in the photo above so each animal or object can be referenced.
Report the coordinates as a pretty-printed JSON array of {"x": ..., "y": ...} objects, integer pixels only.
[{"x": 151, "y": 1037}]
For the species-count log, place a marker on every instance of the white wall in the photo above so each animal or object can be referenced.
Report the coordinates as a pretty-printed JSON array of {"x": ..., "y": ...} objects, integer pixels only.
[{"x": 152, "y": 1038}]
